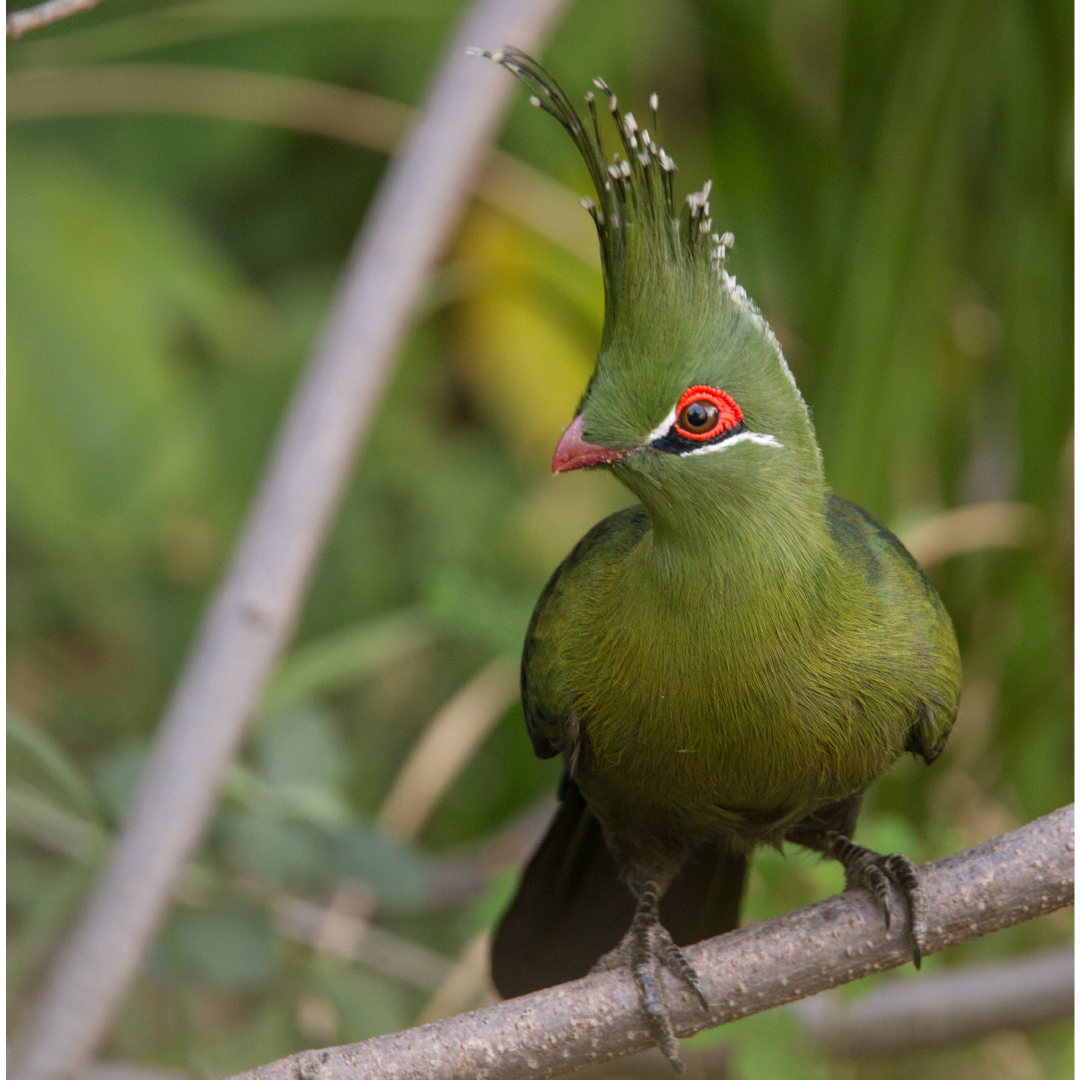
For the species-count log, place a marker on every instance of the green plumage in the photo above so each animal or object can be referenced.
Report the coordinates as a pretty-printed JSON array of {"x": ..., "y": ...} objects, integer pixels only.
[
  {"x": 701, "y": 699},
  {"x": 735, "y": 659}
]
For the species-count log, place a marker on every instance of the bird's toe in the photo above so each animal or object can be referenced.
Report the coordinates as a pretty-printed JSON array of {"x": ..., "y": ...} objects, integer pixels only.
[
  {"x": 675, "y": 960},
  {"x": 646, "y": 948},
  {"x": 902, "y": 871},
  {"x": 873, "y": 877},
  {"x": 655, "y": 1009},
  {"x": 875, "y": 873}
]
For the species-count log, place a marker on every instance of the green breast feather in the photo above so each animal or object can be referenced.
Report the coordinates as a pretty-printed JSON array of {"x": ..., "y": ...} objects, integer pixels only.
[{"x": 699, "y": 704}]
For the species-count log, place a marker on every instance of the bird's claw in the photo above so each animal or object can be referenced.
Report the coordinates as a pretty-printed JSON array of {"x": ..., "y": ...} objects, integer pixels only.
[
  {"x": 646, "y": 948},
  {"x": 874, "y": 872}
]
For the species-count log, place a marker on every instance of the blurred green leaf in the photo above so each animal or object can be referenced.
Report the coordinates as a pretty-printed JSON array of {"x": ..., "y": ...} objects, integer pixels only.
[
  {"x": 335, "y": 661},
  {"x": 222, "y": 948},
  {"x": 479, "y": 609},
  {"x": 117, "y": 776},
  {"x": 36, "y": 818},
  {"x": 769, "y": 1045},
  {"x": 366, "y": 1004},
  {"x": 395, "y": 872},
  {"x": 49, "y": 757},
  {"x": 45, "y": 895},
  {"x": 283, "y": 853},
  {"x": 302, "y": 748},
  {"x": 105, "y": 289}
]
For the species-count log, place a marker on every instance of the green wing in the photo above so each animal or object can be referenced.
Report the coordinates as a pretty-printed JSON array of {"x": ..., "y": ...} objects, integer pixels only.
[
  {"x": 912, "y": 602},
  {"x": 549, "y": 710}
]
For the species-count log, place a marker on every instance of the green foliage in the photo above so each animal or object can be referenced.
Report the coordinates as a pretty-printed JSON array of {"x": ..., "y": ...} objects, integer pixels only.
[{"x": 899, "y": 179}]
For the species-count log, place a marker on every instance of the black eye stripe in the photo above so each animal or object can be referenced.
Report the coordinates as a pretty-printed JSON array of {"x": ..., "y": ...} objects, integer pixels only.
[{"x": 674, "y": 443}]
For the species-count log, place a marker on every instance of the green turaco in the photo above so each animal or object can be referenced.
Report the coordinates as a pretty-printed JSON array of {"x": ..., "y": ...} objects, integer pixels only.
[{"x": 732, "y": 661}]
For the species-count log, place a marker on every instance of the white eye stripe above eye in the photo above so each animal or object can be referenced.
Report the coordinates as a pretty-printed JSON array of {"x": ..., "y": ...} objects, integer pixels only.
[{"x": 743, "y": 436}]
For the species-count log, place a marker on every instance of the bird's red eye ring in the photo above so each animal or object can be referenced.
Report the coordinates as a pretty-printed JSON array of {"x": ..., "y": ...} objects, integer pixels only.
[{"x": 704, "y": 412}]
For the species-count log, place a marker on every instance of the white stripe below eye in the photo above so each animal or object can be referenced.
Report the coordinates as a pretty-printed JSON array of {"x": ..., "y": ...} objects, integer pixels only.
[{"x": 743, "y": 436}]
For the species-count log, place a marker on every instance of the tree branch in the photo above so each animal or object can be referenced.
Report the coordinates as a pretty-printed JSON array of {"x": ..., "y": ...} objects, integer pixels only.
[
  {"x": 1005, "y": 881},
  {"x": 948, "y": 1007},
  {"x": 34, "y": 18},
  {"x": 254, "y": 609}
]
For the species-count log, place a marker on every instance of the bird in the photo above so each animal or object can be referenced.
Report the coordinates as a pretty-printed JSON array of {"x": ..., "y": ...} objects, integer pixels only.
[{"x": 731, "y": 661}]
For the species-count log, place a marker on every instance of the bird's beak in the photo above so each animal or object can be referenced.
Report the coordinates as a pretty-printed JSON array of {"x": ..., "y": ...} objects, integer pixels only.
[{"x": 573, "y": 452}]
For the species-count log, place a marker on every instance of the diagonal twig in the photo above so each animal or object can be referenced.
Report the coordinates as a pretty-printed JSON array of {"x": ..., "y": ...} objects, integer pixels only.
[
  {"x": 34, "y": 18},
  {"x": 946, "y": 1008},
  {"x": 972, "y": 528},
  {"x": 1010, "y": 879},
  {"x": 446, "y": 746},
  {"x": 254, "y": 608},
  {"x": 316, "y": 108}
]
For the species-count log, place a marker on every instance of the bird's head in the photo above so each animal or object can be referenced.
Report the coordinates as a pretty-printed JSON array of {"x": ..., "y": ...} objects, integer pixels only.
[{"x": 691, "y": 401}]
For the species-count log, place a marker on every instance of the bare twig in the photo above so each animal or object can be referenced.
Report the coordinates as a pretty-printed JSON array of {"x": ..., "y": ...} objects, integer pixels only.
[
  {"x": 165, "y": 25},
  {"x": 22, "y": 22},
  {"x": 467, "y": 985},
  {"x": 459, "y": 876},
  {"x": 1005, "y": 881},
  {"x": 253, "y": 611},
  {"x": 973, "y": 528},
  {"x": 352, "y": 938},
  {"x": 947, "y": 1007},
  {"x": 336, "y": 112},
  {"x": 450, "y": 740}
]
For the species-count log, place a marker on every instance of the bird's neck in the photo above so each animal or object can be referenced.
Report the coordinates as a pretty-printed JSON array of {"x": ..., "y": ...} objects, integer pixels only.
[{"x": 753, "y": 538}]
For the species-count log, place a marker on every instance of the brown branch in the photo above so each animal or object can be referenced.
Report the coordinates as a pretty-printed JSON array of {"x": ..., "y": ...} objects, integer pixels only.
[
  {"x": 215, "y": 93},
  {"x": 284, "y": 101},
  {"x": 458, "y": 877},
  {"x": 253, "y": 611},
  {"x": 974, "y": 528},
  {"x": 354, "y": 938},
  {"x": 1005, "y": 881},
  {"x": 22, "y": 22},
  {"x": 446, "y": 746},
  {"x": 947, "y": 1007}
]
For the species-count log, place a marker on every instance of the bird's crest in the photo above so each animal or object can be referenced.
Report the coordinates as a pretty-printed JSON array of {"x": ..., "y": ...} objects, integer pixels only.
[
  {"x": 635, "y": 209},
  {"x": 651, "y": 246}
]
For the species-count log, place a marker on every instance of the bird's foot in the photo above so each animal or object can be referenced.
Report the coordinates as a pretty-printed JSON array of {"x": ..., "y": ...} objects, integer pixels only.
[
  {"x": 867, "y": 869},
  {"x": 646, "y": 948}
]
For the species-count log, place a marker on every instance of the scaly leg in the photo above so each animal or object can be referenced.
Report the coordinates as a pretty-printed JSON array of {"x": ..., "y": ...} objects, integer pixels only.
[{"x": 646, "y": 948}]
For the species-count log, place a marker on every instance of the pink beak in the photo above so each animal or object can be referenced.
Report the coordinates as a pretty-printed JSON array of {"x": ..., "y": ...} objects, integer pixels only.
[{"x": 573, "y": 452}]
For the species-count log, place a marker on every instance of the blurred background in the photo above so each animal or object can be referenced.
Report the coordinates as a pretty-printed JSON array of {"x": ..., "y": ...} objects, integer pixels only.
[{"x": 899, "y": 179}]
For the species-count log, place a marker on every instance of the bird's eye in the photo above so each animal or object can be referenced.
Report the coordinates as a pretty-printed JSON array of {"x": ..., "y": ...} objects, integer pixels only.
[
  {"x": 699, "y": 417},
  {"x": 704, "y": 412}
]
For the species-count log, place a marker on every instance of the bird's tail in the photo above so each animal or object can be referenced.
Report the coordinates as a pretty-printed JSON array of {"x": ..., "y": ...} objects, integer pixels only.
[{"x": 572, "y": 907}]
